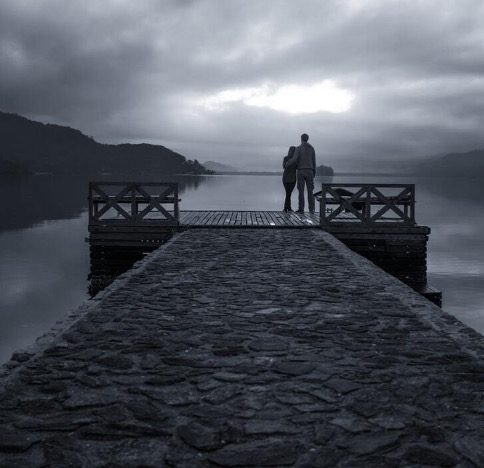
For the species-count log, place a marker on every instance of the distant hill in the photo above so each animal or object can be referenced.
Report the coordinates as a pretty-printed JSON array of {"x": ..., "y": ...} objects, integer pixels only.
[
  {"x": 226, "y": 169},
  {"x": 452, "y": 164},
  {"x": 324, "y": 170},
  {"x": 36, "y": 147},
  {"x": 218, "y": 167}
]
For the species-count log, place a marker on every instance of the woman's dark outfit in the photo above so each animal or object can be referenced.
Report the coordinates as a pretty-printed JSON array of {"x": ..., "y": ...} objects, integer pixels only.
[{"x": 289, "y": 181}]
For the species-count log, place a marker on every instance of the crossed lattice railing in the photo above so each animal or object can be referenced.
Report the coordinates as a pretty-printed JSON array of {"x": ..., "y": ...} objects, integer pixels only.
[
  {"x": 367, "y": 204},
  {"x": 133, "y": 203}
]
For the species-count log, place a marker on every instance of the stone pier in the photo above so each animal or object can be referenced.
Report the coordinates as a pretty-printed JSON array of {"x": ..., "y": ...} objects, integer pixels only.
[{"x": 248, "y": 348}]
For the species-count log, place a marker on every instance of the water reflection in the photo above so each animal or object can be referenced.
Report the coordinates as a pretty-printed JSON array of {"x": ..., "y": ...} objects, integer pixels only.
[
  {"x": 42, "y": 277},
  {"x": 45, "y": 260},
  {"x": 27, "y": 201}
]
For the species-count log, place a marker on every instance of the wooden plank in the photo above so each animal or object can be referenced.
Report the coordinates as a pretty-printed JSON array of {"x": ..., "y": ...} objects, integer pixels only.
[
  {"x": 278, "y": 215},
  {"x": 195, "y": 221},
  {"x": 237, "y": 220},
  {"x": 193, "y": 215},
  {"x": 272, "y": 220},
  {"x": 186, "y": 217},
  {"x": 197, "y": 215},
  {"x": 401, "y": 236},
  {"x": 226, "y": 218},
  {"x": 289, "y": 219},
  {"x": 246, "y": 219},
  {"x": 209, "y": 219},
  {"x": 213, "y": 218},
  {"x": 297, "y": 219},
  {"x": 183, "y": 216},
  {"x": 222, "y": 218},
  {"x": 277, "y": 221},
  {"x": 315, "y": 217},
  {"x": 189, "y": 217},
  {"x": 265, "y": 219},
  {"x": 203, "y": 219},
  {"x": 218, "y": 218},
  {"x": 251, "y": 219},
  {"x": 196, "y": 218},
  {"x": 306, "y": 220}
]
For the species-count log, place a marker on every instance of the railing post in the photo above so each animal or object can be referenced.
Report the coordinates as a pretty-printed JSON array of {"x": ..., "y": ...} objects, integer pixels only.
[
  {"x": 322, "y": 206},
  {"x": 91, "y": 204},
  {"x": 134, "y": 204},
  {"x": 367, "y": 205},
  {"x": 412, "y": 204},
  {"x": 175, "y": 208}
]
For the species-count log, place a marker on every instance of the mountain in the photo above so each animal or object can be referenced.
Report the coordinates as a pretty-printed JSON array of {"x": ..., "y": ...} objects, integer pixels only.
[
  {"x": 218, "y": 167},
  {"x": 37, "y": 147},
  {"x": 453, "y": 164}
]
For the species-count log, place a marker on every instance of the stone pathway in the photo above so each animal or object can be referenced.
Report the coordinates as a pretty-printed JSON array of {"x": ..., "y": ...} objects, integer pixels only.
[{"x": 250, "y": 348}]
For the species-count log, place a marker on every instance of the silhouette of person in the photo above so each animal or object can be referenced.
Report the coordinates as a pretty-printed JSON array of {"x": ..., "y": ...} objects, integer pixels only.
[
  {"x": 289, "y": 177},
  {"x": 305, "y": 160}
]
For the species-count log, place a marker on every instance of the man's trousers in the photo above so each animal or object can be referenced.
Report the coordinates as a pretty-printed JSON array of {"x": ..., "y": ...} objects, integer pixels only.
[{"x": 305, "y": 177}]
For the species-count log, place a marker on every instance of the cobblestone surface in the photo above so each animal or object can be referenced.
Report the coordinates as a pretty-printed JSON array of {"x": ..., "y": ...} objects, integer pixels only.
[{"x": 249, "y": 348}]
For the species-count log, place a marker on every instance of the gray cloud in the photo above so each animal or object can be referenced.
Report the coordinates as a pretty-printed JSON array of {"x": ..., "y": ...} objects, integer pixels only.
[{"x": 133, "y": 71}]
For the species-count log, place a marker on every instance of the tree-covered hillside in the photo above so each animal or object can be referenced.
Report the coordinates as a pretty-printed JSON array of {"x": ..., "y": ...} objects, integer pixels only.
[{"x": 39, "y": 147}]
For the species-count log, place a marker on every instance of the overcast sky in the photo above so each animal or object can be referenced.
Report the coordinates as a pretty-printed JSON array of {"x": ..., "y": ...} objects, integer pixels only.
[{"x": 237, "y": 81}]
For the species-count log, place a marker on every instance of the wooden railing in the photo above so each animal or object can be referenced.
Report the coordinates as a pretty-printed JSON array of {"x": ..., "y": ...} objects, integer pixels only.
[
  {"x": 133, "y": 204},
  {"x": 367, "y": 204}
]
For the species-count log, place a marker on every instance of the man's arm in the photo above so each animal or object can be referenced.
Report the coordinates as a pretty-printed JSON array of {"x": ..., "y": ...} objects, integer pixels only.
[{"x": 314, "y": 162}]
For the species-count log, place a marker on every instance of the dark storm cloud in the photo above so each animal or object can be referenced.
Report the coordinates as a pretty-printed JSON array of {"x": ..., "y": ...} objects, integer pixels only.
[{"x": 134, "y": 71}]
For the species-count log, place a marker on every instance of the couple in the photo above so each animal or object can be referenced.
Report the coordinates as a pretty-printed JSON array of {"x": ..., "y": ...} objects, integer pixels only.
[{"x": 303, "y": 160}]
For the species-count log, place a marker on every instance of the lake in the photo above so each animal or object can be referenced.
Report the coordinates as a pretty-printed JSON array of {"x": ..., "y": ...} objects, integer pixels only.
[{"x": 45, "y": 259}]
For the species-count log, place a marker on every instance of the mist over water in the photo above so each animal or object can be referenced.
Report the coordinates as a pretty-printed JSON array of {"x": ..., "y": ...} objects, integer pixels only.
[{"x": 45, "y": 259}]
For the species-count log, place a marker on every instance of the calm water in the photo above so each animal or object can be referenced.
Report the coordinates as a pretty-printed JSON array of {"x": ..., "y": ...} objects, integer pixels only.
[{"x": 44, "y": 259}]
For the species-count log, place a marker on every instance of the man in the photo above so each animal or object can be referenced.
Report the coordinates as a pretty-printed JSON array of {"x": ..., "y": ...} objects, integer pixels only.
[{"x": 305, "y": 160}]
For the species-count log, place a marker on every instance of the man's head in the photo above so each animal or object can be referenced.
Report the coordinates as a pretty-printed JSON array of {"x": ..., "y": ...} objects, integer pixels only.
[{"x": 304, "y": 137}]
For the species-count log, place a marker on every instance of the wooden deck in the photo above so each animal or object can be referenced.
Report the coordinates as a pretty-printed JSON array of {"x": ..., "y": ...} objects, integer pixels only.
[
  {"x": 375, "y": 220},
  {"x": 258, "y": 219}
]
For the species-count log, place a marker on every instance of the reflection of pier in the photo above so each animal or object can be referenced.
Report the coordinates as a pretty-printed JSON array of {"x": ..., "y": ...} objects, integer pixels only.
[{"x": 127, "y": 220}]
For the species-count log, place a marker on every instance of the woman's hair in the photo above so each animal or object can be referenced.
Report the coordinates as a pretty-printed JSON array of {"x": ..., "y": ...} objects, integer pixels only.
[{"x": 291, "y": 150}]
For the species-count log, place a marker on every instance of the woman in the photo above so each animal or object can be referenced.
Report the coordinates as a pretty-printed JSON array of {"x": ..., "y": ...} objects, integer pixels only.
[{"x": 289, "y": 177}]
